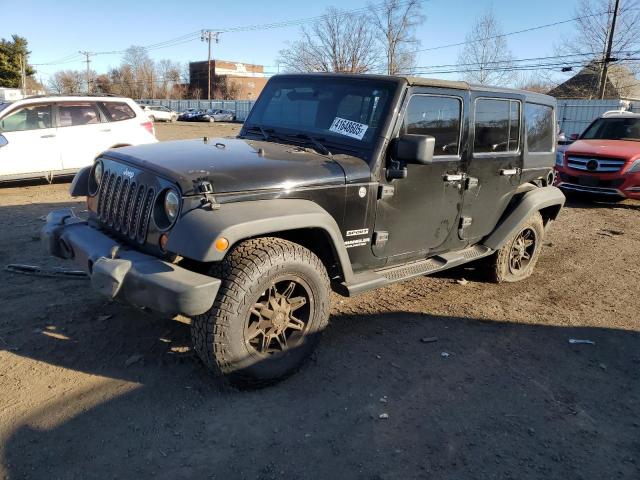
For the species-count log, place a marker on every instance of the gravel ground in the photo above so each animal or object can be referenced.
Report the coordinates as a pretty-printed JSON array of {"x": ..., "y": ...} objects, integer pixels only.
[{"x": 430, "y": 378}]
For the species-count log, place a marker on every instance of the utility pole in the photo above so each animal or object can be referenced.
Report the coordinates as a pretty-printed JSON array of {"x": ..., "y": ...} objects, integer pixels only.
[
  {"x": 607, "y": 56},
  {"x": 23, "y": 74},
  {"x": 207, "y": 36},
  {"x": 88, "y": 75}
]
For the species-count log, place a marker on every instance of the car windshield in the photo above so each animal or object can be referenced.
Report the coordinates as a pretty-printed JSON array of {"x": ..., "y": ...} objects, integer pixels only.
[
  {"x": 614, "y": 129},
  {"x": 4, "y": 105},
  {"x": 331, "y": 109}
]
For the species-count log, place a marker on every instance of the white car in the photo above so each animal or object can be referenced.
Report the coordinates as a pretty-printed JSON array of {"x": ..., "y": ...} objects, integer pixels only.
[
  {"x": 50, "y": 136},
  {"x": 158, "y": 113}
]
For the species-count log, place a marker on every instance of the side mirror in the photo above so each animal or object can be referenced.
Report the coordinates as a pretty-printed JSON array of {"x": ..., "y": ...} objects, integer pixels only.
[
  {"x": 415, "y": 149},
  {"x": 3, "y": 141}
]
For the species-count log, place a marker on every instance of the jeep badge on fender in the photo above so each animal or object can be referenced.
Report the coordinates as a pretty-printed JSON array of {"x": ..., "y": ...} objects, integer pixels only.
[{"x": 335, "y": 182}]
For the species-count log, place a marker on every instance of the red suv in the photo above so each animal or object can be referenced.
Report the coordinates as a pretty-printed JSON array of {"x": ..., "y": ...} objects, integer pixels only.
[{"x": 605, "y": 159}]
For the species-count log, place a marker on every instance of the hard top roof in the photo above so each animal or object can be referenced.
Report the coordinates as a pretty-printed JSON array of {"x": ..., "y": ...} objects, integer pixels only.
[{"x": 436, "y": 83}]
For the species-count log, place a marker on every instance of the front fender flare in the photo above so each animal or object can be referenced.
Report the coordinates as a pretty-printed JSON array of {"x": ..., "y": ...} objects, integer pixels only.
[
  {"x": 532, "y": 201},
  {"x": 195, "y": 232}
]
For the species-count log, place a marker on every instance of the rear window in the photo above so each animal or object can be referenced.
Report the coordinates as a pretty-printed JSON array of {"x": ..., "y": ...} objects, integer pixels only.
[
  {"x": 118, "y": 111},
  {"x": 497, "y": 126},
  {"x": 539, "y": 121},
  {"x": 75, "y": 114}
]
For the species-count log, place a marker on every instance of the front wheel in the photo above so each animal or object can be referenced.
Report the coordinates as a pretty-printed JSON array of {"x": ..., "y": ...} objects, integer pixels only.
[
  {"x": 517, "y": 258},
  {"x": 266, "y": 321}
]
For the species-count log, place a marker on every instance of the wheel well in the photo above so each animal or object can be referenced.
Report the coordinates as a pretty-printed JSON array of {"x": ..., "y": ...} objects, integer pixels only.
[
  {"x": 549, "y": 213},
  {"x": 318, "y": 241}
]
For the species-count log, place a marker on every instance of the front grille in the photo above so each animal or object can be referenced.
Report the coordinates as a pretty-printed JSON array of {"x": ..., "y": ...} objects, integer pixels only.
[
  {"x": 595, "y": 164},
  {"x": 124, "y": 206}
]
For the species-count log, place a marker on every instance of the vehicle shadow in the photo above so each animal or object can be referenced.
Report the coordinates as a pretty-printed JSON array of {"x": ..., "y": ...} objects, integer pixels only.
[
  {"x": 393, "y": 395},
  {"x": 576, "y": 200}
]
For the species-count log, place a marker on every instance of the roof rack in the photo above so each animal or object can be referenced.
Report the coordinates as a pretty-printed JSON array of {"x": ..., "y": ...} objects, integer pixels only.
[{"x": 74, "y": 95}]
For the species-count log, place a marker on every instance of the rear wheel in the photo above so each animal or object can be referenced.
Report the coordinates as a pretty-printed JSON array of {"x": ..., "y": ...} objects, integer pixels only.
[
  {"x": 517, "y": 258},
  {"x": 268, "y": 315},
  {"x": 152, "y": 118}
]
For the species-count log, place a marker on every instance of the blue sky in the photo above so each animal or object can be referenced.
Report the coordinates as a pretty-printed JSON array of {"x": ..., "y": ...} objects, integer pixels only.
[{"x": 57, "y": 29}]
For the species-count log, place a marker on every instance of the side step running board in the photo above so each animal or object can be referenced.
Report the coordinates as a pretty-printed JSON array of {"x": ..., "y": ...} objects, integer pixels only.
[{"x": 365, "y": 281}]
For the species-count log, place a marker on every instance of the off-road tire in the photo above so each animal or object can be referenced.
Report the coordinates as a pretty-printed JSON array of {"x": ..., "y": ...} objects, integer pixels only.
[
  {"x": 247, "y": 272},
  {"x": 498, "y": 264}
]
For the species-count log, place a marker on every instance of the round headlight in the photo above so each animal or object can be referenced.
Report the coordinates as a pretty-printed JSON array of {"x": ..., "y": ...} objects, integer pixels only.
[
  {"x": 171, "y": 205},
  {"x": 97, "y": 173}
]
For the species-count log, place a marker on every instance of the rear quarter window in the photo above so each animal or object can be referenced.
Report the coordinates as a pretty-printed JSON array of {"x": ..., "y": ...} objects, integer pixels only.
[
  {"x": 76, "y": 114},
  {"x": 539, "y": 124},
  {"x": 118, "y": 111}
]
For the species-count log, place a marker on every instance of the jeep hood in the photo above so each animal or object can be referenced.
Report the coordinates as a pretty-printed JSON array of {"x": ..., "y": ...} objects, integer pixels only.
[{"x": 236, "y": 165}]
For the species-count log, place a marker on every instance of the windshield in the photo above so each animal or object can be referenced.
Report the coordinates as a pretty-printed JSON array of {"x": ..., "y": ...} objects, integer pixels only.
[
  {"x": 613, "y": 129},
  {"x": 4, "y": 105},
  {"x": 332, "y": 109}
]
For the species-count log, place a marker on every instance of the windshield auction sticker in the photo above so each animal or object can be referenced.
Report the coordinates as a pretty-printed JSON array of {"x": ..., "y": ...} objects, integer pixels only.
[{"x": 348, "y": 128}]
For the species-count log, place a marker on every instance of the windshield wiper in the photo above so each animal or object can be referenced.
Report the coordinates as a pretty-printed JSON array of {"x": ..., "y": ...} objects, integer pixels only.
[
  {"x": 316, "y": 143},
  {"x": 259, "y": 129}
]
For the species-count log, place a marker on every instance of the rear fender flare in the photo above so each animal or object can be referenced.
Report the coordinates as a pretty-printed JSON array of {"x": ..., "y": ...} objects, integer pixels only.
[
  {"x": 196, "y": 231},
  {"x": 550, "y": 199}
]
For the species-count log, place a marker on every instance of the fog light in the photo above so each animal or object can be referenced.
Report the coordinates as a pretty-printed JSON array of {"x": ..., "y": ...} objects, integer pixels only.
[
  {"x": 164, "y": 239},
  {"x": 222, "y": 244}
]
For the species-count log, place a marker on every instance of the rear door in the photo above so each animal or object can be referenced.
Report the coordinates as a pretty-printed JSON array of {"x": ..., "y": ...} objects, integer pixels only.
[
  {"x": 496, "y": 163},
  {"x": 32, "y": 145},
  {"x": 82, "y": 133}
]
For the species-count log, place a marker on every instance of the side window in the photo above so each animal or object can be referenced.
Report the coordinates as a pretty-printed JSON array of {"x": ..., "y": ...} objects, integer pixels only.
[
  {"x": 33, "y": 117},
  {"x": 539, "y": 122},
  {"x": 76, "y": 114},
  {"x": 497, "y": 126},
  {"x": 439, "y": 117},
  {"x": 118, "y": 111}
]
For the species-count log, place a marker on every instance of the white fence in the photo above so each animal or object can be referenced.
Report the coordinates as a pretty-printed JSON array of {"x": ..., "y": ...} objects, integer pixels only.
[
  {"x": 240, "y": 107},
  {"x": 576, "y": 115}
]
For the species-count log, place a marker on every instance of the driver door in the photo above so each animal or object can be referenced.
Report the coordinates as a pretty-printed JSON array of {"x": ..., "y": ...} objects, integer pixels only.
[{"x": 416, "y": 214}]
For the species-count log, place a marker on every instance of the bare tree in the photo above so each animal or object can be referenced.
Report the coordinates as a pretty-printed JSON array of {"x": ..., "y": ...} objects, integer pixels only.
[
  {"x": 168, "y": 76},
  {"x": 395, "y": 21},
  {"x": 486, "y": 58},
  {"x": 592, "y": 29},
  {"x": 337, "y": 42},
  {"x": 67, "y": 82},
  {"x": 142, "y": 70}
]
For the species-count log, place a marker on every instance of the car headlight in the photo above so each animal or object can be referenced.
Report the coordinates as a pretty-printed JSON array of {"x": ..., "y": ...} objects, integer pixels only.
[
  {"x": 635, "y": 167},
  {"x": 97, "y": 173},
  {"x": 171, "y": 205}
]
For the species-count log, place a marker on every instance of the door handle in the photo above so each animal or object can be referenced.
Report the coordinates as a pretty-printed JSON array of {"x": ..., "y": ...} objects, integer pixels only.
[
  {"x": 106, "y": 130},
  {"x": 47, "y": 136},
  {"x": 458, "y": 177},
  {"x": 509, "y": 172}
]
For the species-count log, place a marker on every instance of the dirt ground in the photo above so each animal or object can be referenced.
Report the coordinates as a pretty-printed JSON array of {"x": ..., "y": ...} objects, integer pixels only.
[{"x": 93, "y": 389}]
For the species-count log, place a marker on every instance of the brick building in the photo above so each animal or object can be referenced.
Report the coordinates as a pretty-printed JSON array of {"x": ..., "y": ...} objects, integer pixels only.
[{"x": 229, "y": 80}]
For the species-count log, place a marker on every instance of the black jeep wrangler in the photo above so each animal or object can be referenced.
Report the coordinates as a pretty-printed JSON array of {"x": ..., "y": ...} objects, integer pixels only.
[{"x": 343, "y": 182}]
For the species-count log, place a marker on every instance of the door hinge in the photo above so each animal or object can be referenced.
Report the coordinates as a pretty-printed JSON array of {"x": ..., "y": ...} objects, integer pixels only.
[
  {"x": 471, "y": 182},
  {"x": 380, "y": 238},
  {"x": 465, "y": 222},
  {"x": 386, "y": 191}
]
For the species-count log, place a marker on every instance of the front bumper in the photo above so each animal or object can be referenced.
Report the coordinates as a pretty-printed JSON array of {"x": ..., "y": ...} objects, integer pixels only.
[
  {"x": 125, "y": 274},
  {"x": 611, "y": 184}
]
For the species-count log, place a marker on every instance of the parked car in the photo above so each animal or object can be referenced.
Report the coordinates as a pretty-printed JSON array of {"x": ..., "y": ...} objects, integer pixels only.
[
  {"x": 187, "y": 114},
  {"x": 49, "y": 136},
  {"x": 605, "y": 160},
  {"x": 209, "y": 116},
  {"x": 159, "y": 113},
  {"x": 350, "y": 182}
]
